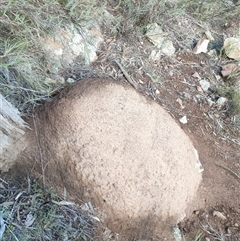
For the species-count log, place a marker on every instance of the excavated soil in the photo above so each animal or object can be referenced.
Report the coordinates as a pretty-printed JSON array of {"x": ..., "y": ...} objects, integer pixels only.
[{"x": 108, "y": 144}]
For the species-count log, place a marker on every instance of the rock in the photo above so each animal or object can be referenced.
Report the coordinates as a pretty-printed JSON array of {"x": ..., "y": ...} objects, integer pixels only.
[
  {"x": 219, "y": 215},
  {"x": 210, "y": 102},
  {"x": 177, "y": 234},
  {"x": 221, "y": 101},
  {"x": 183, "y": 120},
  {"x": 229, "y": 69},
  {"x": 70, "y": 80},
  {"x": 180, "y": 103},
  {"x": 232, "y": 48},
  {"x": 196, "y": 75},
  {"x": 110, "y": 145},
  {"x": 167, "y": 47},
  {"x": 155, "y": 34},
  {"x": 199, "y": 89},
  {"x": 201, "y": 46},
  {"x": 205, "y": 85},
  {"x": 65, "y": 45},
  {"x": 157, "y": 37}
]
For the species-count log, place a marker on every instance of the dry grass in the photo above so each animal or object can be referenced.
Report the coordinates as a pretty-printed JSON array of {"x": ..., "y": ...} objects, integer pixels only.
[{"x": 31, "y": 213}]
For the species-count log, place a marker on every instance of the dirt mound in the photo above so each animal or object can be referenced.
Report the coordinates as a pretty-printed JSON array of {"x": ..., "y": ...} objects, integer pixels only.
[{"x": 122, "y": 151}]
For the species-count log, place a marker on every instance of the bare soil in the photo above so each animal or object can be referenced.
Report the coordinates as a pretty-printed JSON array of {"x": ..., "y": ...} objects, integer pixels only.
[{"x": 220, "y": 157}]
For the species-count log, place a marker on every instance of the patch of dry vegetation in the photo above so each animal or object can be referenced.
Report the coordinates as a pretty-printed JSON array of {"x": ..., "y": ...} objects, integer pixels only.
[{"x": 32, "y": 213}]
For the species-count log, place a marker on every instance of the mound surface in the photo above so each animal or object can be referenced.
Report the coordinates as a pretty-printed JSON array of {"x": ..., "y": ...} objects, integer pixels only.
[{"x": 118, "y": 149}]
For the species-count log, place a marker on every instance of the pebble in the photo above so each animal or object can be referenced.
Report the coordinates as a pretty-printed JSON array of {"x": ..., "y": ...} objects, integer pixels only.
[
  {"x": 196, "y": 75},
  {"x": 183, "y": 120},
  {"x": 219, "y": 215},
  {"x": 205, "y": 85},
  {"x": 221, "y": 101},
  {"x": 199, "y": 89}
]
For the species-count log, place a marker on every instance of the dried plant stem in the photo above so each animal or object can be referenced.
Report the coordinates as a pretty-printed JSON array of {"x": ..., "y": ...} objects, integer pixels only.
[
  {"x": 226, "y": 168},
  {"x": 127, "y": 76}
]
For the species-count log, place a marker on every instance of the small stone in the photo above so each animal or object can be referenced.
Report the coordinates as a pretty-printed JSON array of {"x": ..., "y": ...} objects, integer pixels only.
[
  {"x": 167, "y": 47},
  {"x": 221, "y": 101},
  {"x": 219, "y": 215},
  {"x": 207, "y": 239},
  {"x": 232, "y": 48},
  {"x": 196, "y": 75},
  {"x": 70, "y": 80},
  {"x": 201, "y": 46},
  {"x": 170, "y": 73},
  {"x": 177, "y": 234},
  {"x": 210, "y": 102},
  {"x": 218, "y": 77},
  {"x": 197, "y": 212},
  {"x": 180, "y": 103},
  {"x": 199, "y": 89},
  {"x": 187, "y": 95},
  {"x": 205, "y": 85},
  {"x": 157, "y": 92},
  {"x": 183, "y": 120},
  {"x": 229, "y": 69}
]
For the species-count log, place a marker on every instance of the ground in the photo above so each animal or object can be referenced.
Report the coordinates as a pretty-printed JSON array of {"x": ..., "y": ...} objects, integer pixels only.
[{"x": 214, "y": 130}]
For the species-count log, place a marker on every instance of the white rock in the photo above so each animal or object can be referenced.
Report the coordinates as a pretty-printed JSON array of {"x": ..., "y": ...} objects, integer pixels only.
[
  {"x": 210, "y": 102},
  {"x": 68, "y": 44},
  {"x": 167, "y": 47},
  {"x": 221, "y": 101},
  {"x": 201, "y": 46},
  {"x": 219, "y": 215},
  {"x": 232, "y": 48},
  {"x": 196, "y": 75},
  {"x": 205, "y": 85},
  {"x": 155, "y": 34},
  {"x": 180, "y": 103},
  {"x": 177, "y": 234},
  {"x": 183, "y": 120},
  {"x": 157, "y": 37}
]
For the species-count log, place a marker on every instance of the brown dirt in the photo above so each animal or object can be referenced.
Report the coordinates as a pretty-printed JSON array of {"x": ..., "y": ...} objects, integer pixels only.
[{"x": 220, "y": 187}]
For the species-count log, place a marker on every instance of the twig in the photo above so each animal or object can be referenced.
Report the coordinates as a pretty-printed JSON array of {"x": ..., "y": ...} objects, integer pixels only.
[
  {"x": 127, "y": 76},
  {"x": 21, "y": 88},
  {"x": 40, "y": 153},
  {"x": 226, "y": 168}
]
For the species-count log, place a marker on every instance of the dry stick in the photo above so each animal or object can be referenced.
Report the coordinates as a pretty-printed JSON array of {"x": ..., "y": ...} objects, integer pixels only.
[
  {"x": 127, "y": 76},
  {"x": 226, "y": 168},
  {"x": 40, "y": 153}
]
